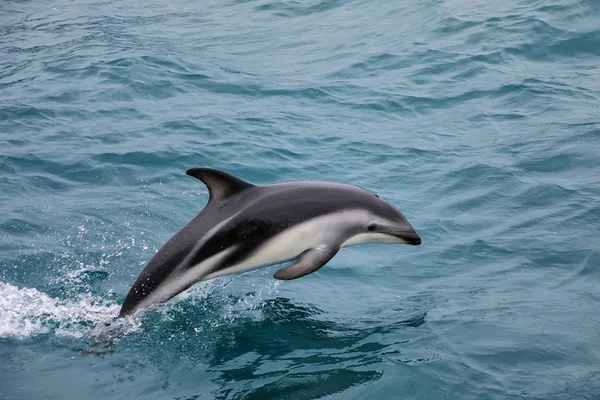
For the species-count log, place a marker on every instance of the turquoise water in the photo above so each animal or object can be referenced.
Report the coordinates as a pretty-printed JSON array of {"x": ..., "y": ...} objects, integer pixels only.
[{"x": 480, "y": 120}]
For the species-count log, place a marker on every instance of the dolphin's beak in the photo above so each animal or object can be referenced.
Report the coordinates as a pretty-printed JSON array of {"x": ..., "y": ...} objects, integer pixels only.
[
  {"x": 409, "y": 237},
  {"x": 405, "y": 234}
]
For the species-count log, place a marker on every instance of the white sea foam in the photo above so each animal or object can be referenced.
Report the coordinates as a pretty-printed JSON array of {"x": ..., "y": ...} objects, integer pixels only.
[{"x": 26, "y": 312}]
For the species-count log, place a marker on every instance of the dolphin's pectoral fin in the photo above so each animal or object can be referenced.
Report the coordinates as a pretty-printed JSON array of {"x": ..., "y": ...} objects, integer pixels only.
[
  {"x": 309, "y": 261},
  {"x": 220, "y": 184}
]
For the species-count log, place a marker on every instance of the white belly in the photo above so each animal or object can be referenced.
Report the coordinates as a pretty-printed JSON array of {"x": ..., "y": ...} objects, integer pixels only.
[{"x": 289, "y": 244}]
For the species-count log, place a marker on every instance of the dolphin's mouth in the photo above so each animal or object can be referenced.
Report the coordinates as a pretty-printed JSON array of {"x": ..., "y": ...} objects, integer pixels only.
[
  {"x": 415, "y": 239},
  {"x": 411, "y": 238}
]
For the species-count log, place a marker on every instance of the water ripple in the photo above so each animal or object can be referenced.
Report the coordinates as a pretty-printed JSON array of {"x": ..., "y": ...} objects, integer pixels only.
[{"x": 478, "y": 119}]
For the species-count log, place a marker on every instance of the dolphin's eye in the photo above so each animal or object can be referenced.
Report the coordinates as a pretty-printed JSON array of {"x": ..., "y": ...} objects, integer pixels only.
[{"x": 372, "y": 227}]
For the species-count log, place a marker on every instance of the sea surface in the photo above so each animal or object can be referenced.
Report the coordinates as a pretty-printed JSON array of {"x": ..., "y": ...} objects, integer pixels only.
[{"x": 479, "y": 120}]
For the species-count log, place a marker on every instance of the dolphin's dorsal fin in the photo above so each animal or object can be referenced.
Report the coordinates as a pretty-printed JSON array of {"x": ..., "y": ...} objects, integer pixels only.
[{"x": 220, "y": 184}]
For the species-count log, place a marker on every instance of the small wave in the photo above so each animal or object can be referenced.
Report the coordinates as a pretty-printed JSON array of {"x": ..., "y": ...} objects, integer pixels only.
[{"x": 26, "y": 312}]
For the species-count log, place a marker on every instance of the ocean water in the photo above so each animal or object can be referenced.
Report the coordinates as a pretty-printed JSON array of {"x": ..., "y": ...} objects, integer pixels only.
[{"x": 480, "y": 120}]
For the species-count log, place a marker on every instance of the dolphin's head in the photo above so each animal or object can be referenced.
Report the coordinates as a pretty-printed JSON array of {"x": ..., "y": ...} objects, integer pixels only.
[
  {"x": 382, "y": 223},
  {"x": 391, "y": 222}
]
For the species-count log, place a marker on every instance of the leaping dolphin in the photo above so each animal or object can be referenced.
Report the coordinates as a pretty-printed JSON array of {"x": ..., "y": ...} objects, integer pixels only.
[{"x": 245, "y": 227}]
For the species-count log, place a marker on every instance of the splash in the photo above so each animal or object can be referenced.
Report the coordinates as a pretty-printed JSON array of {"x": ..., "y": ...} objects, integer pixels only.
[{"x": 26, "y": 312}]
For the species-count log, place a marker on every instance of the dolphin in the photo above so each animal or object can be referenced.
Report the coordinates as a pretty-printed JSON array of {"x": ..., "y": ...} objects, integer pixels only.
[{"x": 245, "y": 227}]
